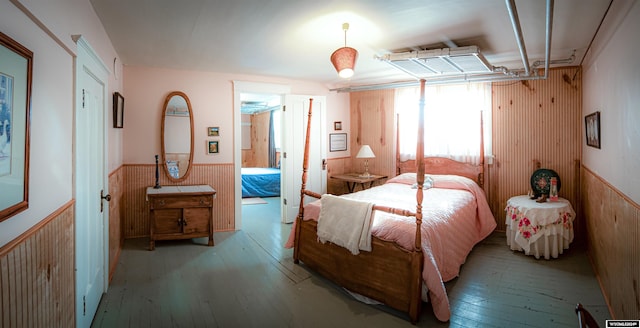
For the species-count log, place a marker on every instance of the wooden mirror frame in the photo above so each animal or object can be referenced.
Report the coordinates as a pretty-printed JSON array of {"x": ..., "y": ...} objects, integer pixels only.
[
  {"x": 16, "y": 200},
  {"x": 162, "y": 136}
]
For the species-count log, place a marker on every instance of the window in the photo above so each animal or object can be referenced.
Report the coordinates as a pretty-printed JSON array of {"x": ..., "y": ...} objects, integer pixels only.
[
  {"x": 452, "y": 121},
  {"x": 277, "y": 132}
]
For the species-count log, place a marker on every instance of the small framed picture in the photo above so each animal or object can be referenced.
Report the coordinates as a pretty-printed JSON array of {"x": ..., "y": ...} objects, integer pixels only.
[
  {"x": 118, "y": 110},
  {"x": 212, "y": 147},
  {"x": 592, "y": 129},
  {"x": 337, "y": 125},
  {"x": 213, "y": 131}
]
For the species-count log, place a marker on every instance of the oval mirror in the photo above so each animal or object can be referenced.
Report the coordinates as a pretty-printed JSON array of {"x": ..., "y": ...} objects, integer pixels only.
[{"x": 177, "y": 136}]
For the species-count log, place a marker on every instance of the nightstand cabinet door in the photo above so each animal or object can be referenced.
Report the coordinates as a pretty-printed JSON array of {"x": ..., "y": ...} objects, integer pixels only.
[
  {"x": 167, "y": 221},
  {"x": 196, "y": 220}
]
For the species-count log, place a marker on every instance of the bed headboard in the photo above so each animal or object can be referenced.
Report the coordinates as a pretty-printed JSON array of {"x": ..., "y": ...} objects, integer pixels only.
[{"x": 443, "y": 165}]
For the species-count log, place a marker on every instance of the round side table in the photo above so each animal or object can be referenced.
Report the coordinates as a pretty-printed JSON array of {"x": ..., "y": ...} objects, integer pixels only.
[{"x": 539, "y": 229}]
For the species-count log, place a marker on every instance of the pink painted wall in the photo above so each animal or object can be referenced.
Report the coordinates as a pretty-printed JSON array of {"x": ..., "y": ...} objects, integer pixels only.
[
  {"x": 611, "y": 84},
  {"x": 211, "y": 96},
  {"x": 46, "y": 27}
]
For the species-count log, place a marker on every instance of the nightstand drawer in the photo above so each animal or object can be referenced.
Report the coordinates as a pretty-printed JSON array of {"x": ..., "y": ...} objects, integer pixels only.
[{"x": 181, "y": 202}]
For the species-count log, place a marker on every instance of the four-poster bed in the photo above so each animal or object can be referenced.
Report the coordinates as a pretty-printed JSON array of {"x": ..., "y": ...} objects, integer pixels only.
[{"x": 405, "y": 253}]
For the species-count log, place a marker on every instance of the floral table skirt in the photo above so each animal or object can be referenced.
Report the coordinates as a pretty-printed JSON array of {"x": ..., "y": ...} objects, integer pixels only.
[{"x": 539, "y": 229}]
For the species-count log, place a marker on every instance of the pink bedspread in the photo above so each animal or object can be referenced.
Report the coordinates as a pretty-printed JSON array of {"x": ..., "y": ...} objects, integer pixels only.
[{"x": 456, "y": 217}]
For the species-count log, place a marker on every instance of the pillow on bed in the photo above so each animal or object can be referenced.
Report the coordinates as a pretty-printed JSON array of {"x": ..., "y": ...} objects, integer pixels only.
[
  {"x": 410, "y": 179},
  {"x": 405, "y": 178}
]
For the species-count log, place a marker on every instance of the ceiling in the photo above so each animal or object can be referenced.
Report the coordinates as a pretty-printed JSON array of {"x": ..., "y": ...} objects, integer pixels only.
[{"x": 294, "y": 39}]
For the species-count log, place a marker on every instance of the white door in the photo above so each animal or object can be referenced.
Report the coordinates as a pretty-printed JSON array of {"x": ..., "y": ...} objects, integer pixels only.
[
  {"x": 91, "y": 181},
  {"x": 295, "y": 118}
]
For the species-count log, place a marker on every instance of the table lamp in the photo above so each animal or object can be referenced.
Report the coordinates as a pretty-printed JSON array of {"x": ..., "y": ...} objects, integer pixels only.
[{"x": 366, "y": 153}]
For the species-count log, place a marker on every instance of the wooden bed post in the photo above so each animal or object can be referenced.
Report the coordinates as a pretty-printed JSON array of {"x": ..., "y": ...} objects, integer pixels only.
[
  {"x": 481, "y": 174},
  {"x": 420, "y": 166},
  {"x": 398, "y": 170},
  {"x": 416, "y": 255},
  {"x": 305, "y": 166}
]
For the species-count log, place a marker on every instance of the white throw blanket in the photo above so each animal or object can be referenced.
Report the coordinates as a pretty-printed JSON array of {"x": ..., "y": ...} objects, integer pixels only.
[{"x": 345, "y": 222}]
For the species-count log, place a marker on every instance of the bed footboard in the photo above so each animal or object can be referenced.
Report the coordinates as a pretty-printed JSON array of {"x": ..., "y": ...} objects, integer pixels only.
[{"x": 388, "y": 274}]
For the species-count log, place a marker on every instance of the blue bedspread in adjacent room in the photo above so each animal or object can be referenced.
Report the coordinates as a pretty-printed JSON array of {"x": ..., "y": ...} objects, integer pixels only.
[{"x": 260, "y": 182}]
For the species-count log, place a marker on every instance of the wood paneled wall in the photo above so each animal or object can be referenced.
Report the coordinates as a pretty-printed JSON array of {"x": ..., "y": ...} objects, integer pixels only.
[
  {"x": 535, "y": 121},
  {"x": 258, "y": 155},
  {"x": 613, "y": 230},
  {"x": 373, "y": 124},
  {"x": 37, "y": 286},
  {"x": 116, "y": 210},
  {"x": 138, "y": 177}
]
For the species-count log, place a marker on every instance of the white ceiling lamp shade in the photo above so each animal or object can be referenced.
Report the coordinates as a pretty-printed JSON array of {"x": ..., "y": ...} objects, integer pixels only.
[{"x": 344, "y": 59}]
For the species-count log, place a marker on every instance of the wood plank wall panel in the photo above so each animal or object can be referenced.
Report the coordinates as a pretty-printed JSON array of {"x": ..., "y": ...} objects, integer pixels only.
[
  {"x": 247, "y": 158},
  {"x": 138, "y": 177},
  {"x": 613, "y": 230},
  {"x": 373, "y": 124},
  {"x": 258, "y": 155},
  {"x": 535, "y": 121},
  {"x": 37, "y": 286},
  {"x": 260, "y": 139},
  {"x": 116, "y": 190}
]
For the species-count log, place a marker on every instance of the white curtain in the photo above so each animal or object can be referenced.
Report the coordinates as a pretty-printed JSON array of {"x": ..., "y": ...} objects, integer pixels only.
[{"x": 452, "y": 121}]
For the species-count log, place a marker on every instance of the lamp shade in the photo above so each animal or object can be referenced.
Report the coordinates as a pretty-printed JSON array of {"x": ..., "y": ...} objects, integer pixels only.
[
  {"x": 365, "y": 152},
  {"x": 344, "y": 60}
]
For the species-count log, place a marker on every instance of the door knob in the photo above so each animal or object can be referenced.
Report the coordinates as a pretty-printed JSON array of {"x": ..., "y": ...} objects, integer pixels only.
[{"x": 106, "y": 197}]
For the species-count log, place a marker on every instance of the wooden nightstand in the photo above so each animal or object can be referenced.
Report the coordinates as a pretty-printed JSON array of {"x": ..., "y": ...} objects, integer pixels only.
[
  {"x": 180, "y": 212},
  {"x": 351, "y": 179}
]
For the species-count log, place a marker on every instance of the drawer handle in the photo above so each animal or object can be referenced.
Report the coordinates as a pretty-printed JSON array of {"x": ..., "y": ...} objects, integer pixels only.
[
  {"x": 161, "y": 202},
  {"x": 201, "y": 201}
]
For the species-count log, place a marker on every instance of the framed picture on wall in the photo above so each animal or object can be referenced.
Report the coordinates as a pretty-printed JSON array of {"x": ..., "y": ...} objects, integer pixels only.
[
  {"x": 337, "y": 125},
  {"x": 16, "y": 69},
  {"x": 118, "y": 110},
  {"x": 213, "y": 131},
  {"x": 337, "y": 141},
  {"x": 592, "y": 129},
  {"x": 212, "y": 147}
]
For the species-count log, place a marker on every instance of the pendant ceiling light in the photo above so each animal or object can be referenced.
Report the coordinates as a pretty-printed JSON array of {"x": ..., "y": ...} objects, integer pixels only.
[{"x": 344, "y": 59}]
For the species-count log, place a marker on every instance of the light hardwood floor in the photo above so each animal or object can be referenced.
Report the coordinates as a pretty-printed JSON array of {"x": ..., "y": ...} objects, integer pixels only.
[{"x": 249, "y": 280}]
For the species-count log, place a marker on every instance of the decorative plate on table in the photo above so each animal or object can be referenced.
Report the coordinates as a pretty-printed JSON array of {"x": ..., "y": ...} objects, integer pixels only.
[{"x": 541, "y": 181}]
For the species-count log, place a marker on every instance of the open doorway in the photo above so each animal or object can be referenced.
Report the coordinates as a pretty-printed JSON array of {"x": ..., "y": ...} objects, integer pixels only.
[
  {"x": 249, "y": 88},
  {"x": 293, "y": 122},
  {"x": 261, "y": 147}
]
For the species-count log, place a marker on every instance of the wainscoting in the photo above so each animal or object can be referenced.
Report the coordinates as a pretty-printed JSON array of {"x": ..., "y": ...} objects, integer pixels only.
[
  {"x": 138, "y": 177},
  {"x": 37, "y": 286},
  {"x": 613, "y": 230},
  {"x": 116, "y": 208}
]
